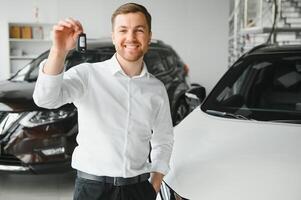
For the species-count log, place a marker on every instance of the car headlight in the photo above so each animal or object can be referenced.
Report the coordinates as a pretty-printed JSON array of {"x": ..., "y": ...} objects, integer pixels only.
[
  {"x": 38, "y": 118},
  {"x": 53, "y": 151},
  {"x": 8, "y": 120}
]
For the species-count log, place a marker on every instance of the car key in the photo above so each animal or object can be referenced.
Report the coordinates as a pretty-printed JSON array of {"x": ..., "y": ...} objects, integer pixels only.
[{"x": 81, "y": 43}]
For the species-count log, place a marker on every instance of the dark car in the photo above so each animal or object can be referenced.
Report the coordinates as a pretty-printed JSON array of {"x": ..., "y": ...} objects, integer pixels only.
[
  {"x": 33, "y": 139},
  {"x": 244, "y": 141}
]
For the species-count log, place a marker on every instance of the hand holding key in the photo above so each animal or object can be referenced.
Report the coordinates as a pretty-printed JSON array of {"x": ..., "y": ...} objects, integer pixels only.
[{"x": 65, "y": 34}]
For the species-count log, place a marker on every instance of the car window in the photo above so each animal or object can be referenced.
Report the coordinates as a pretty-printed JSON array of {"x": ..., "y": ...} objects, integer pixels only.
[
  {"x": 91, "y": 56},
  {"x": 104, "y": 54},
  {"x": 154, "y": 62},
  {"x": 30, "y": 71},
  {"x": 71, "y": 60},
  {"x": 168, "y": 59},
  {"x": 76, "y": 58},
  {"x": 265, "y": 88}
]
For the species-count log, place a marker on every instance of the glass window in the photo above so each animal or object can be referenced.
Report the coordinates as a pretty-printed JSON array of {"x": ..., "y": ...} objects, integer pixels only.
[
  {"x": 90, "y": 56},
  {"x": 262, "y": 87},
  {"x": 30, "y": 71},
  {"x": 76, "y": 58},
  {"x": 153, "y": 62},
  {"x": 168, "y": 60}
]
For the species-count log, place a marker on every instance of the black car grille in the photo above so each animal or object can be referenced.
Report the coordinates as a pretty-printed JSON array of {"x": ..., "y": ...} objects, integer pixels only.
[
  {"x": 3, "y": 115},
  {"x": 7, "y": 159}
]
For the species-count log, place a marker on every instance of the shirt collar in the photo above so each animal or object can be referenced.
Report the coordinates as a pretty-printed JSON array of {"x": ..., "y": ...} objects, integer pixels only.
[{"x": 116, "y": 68}]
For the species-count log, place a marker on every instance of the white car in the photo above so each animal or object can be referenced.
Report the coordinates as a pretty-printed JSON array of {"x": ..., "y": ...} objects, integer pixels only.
[{"x": 244, "y": 141}]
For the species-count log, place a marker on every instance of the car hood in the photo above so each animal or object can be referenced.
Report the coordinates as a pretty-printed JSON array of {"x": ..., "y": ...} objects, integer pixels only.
[
  {"x": 16, "y": 96},
  {"x": 219, "y": 158}
]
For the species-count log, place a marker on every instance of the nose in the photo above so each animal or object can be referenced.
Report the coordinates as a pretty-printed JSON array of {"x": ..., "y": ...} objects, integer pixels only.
[{"x": 130, "y": 36}]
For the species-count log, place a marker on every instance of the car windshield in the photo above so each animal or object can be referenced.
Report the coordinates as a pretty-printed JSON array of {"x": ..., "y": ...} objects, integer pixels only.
[
  {"x": 30, "y": 72},
  {"x": 262, "y": 87},
  {"x": 158, "y": 61}
]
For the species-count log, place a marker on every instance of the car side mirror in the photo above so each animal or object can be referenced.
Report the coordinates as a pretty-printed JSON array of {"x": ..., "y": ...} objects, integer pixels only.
[{"x": 196, "y": 94}]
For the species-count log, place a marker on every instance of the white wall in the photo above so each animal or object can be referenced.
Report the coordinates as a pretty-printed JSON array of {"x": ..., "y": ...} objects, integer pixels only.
[{"x": 197, "y": 29}]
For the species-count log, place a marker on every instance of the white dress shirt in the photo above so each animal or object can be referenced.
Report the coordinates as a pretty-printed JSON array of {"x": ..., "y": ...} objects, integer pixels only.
[{"x": 118, "y": 116}]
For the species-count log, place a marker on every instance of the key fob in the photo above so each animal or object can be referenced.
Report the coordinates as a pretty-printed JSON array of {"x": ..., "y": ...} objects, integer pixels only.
[{"x": 81, "y": 43}]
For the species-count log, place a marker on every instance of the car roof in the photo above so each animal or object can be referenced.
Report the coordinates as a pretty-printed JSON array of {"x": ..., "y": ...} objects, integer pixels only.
[{"x": 273, "y": 48}]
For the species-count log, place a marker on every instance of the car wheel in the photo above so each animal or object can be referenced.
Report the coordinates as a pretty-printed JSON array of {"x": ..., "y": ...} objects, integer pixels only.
[{"x": 181, "y": 111}]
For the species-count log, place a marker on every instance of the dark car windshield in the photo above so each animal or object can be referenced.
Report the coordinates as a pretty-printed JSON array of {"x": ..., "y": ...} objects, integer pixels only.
[
  {"x": 159, "y": 62},
  {"x": 30, "y": 72},
  {"x": 262, "y": 87}
]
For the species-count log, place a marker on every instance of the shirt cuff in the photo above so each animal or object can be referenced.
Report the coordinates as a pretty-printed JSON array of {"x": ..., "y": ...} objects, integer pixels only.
[
  {"x": 51, "y": 80},
  {"x": 160, "y": 166}
]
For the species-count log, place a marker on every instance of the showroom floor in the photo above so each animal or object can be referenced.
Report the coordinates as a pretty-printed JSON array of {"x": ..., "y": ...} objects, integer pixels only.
[{"x": 37, "y": 187}]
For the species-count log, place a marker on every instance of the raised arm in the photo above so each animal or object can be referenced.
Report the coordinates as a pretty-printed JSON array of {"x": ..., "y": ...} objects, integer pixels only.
[
  {"x": 65, "y": 35},
  {"x": 55, "y": 88}
]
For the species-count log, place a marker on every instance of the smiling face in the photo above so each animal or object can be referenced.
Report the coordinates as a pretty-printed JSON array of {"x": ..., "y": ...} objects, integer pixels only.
[{"x": 131, "y": 36}]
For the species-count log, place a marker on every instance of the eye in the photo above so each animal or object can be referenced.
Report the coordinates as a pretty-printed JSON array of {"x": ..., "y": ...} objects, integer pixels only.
[
  {"x": 122, "y": 31},
  {"x": 140, "y": 30}
]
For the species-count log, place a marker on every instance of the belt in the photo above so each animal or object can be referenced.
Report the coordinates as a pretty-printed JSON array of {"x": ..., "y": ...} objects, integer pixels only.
[{"x": 116, "y": 181}]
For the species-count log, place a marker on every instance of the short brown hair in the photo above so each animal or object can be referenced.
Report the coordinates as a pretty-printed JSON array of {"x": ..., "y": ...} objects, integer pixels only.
[{"x": 132, "y": 8}]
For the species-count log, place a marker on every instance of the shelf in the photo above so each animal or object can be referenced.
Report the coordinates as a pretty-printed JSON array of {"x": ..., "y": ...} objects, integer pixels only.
[
  {"x": 256, "y": 30},
  {"x": 30, "y": 24},
  {"x": 29, "y": 57},
  {"x": 28, "y": 40}
]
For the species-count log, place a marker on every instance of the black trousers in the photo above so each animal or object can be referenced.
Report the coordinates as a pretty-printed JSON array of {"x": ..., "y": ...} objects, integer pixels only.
[{"x": 93, "y": 190}]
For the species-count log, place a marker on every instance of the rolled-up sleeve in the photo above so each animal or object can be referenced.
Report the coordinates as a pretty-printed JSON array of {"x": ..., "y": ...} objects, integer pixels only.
[
  {"x": 163, "y": 138},
  {"x": 53, "y": 91}
]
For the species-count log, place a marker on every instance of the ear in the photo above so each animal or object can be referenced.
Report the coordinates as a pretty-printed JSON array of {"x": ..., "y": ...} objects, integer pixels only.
[
  {"x": 113, "y": 37},
  {"x": 150, "y": 37}
]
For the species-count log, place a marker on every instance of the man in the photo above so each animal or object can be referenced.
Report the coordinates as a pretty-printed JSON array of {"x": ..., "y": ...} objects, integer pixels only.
[{"x": 121, "y": 109}]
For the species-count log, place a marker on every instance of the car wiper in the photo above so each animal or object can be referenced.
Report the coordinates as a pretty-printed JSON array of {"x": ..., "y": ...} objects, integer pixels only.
[
  {"x": 292, "y": 121},
  {"x": 226, "y": 114}
]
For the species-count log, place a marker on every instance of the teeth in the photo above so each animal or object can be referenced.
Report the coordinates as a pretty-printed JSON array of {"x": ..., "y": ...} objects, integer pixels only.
[{"x": 131, "y": 46}]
